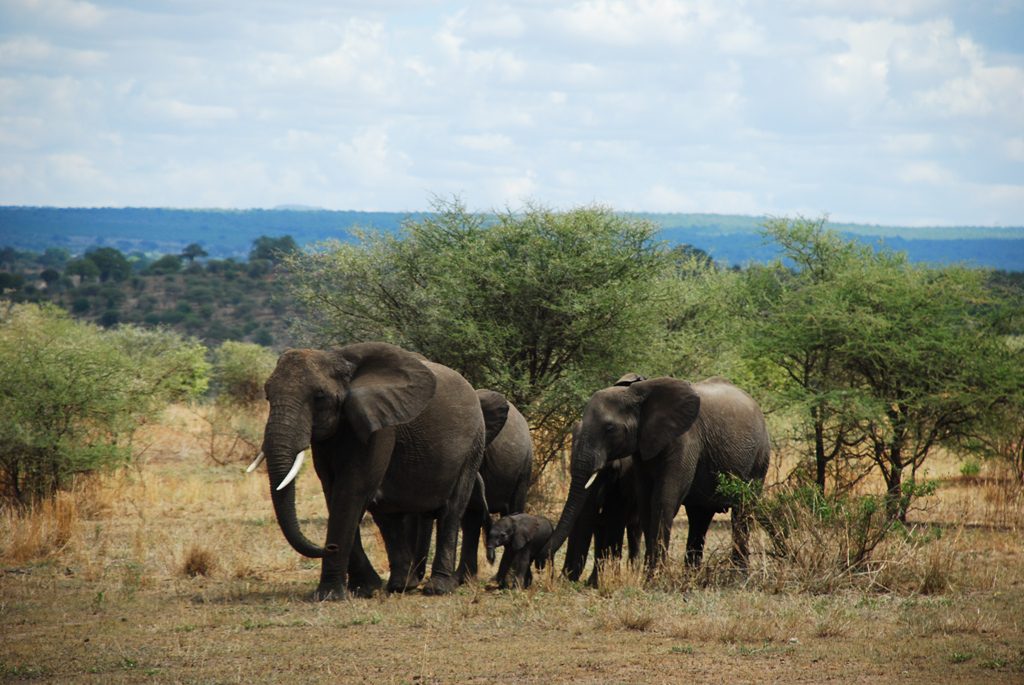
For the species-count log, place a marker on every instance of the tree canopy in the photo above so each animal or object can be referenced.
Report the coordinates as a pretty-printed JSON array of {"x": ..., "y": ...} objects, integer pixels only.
[
  {"x": 883, "y": 360},
  {"x": 543, "y": 306}
]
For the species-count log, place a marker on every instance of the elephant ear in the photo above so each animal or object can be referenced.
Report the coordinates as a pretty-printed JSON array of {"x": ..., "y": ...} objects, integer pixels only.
[
  {"x": 521, "y": 538},
  {"x": 495, "y": 409},
  {"x": 630, "y": 378},
  {"x": 387, "y": 386},
  {"x": 668, "y": 409}
]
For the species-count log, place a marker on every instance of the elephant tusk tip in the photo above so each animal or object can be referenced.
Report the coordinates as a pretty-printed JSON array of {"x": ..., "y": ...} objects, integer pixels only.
[
  {"x": 299, "y": 458},
  {"x": 255, "y": 462},
  {"x": 590, "y": 482}
]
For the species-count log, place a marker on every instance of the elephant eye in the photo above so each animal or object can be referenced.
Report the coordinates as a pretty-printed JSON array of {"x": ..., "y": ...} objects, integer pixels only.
[{"x": 609, "y": 428}]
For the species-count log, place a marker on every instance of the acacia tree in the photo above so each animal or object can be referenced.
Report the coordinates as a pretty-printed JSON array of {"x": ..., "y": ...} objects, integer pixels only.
[
  {"x": 922, "y": 350},
  {"x": 895, "y": 357},
  {"x": 793, "y": 340},
  {"x": 540, "y": 305}
]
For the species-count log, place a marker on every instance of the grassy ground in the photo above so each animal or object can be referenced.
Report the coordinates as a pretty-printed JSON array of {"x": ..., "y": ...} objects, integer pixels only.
[{"x": 176, "y": 572}]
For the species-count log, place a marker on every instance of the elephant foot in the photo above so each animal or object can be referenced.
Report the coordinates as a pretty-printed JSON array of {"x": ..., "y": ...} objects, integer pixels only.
[
  {"x": 366, "y": 587},
  {"x": 329, "y": 593},
  {"x": 464, "y": 576},
  {"x": 440, "y": 585},
  {"x": 396, "y": 585}
]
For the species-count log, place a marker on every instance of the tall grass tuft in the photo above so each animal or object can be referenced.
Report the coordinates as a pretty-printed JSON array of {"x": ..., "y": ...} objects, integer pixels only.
[
  {"x": 199, "y": 561},
  {"x": 38, "y": 531}
]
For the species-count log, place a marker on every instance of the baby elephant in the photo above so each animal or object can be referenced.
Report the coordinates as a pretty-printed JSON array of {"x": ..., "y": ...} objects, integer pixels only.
[{"x": 523, "y": 536}]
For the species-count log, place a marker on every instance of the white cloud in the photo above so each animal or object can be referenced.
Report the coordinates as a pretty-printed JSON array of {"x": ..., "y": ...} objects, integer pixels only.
[
  {"x": 74, "y": 13},
  {"x": 486, "y": 142},
  {"x": 929, "y": 173},
  {"x": 369, "y": 158},
  {"x": 879, "y": 110}
]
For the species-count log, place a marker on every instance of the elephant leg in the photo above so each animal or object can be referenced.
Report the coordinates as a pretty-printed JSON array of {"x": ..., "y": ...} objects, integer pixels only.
[
  {"x": 472, "y": 524},
  {"x": 741, "y": 517},
  {"x": 342, "y": 527},
  {"x": 633, "y": 536},
  {"x": 421, "y": 528},
  {"x": 663, "y": 503},
  {"x": 521, "y": 567},
  {"x": 503, "y": 568},
  {"x": 698, "y": 520},
  {"x": 351, "y": 485},
  {"x": 396, "y": 531},
  {"x": 363, "y": 579},
  {"x": 442, "y": 573}
]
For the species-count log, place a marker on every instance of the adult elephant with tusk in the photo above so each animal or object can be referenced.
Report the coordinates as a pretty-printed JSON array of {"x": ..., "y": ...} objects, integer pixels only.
[
  {"x": 391, "y": 433},
  {"x": 681, "y": 437}
]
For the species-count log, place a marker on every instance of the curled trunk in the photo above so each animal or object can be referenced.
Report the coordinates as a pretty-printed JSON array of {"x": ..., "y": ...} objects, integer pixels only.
[{"x": 279, "y": 444}]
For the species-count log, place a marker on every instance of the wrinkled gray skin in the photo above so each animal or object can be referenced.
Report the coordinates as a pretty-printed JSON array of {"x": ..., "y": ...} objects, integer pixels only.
[
  {"x": 681, "y": 437},
  {"x": 611, "y": 509},
  {"x": 505, "y": 471},
  {"x": 390, "y": 433},
  {"x": 523, "y": 536}
]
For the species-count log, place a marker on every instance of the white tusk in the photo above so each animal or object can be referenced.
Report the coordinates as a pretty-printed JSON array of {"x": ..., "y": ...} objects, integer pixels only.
[
  {"x": 299, "y": 458},
  {"x": 590, "y": 482},
  {"x": 256, "y": 462}
]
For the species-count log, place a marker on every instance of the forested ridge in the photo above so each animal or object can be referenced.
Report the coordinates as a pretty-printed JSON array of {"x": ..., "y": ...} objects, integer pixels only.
[{"x": 730, "y": 239}]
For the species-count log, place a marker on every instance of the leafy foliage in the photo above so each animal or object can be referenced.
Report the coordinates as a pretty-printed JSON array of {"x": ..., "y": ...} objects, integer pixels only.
[
  {"x": 72, "y": 394},
  {"x": 240, "y": 369},
  {"x": 882, "y": 360},
  {"x": 542, "y": 306}
]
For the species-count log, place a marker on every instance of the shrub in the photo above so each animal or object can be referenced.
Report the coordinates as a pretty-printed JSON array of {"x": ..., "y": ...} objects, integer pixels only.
[
  {"x": 240, "y": 369},
  {"x": 71, "y": 394}
]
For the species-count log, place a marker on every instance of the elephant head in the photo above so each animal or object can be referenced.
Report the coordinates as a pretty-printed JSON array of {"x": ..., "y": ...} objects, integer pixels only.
[
  {"x": 342, "y": 393},
  {"x": 633, "y": 417},
  {"x": 502, "y": 532}
]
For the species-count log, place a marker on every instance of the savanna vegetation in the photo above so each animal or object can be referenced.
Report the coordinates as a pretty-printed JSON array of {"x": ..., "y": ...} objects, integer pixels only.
[
  {"x": 210, "y": 299},
  {"x": 888, "y": 550}
]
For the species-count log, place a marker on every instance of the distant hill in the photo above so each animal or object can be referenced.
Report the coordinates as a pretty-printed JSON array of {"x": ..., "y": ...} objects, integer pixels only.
[{"x": 731, "y": 239}]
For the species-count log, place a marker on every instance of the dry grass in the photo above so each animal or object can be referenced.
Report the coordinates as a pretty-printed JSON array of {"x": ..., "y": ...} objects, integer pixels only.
[{"x": 176, "y": 572}]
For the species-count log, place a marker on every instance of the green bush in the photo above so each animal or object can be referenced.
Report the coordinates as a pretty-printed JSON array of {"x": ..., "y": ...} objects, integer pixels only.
[
  {"x": 71, "y": 394},
  {"x": 240, "y": 369}
]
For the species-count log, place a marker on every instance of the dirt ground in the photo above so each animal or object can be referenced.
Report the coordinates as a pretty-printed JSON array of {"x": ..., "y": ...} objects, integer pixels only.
[{"x": 176, "y": 572}]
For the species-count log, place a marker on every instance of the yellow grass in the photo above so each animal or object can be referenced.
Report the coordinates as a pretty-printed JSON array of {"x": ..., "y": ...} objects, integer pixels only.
[{"x": 175, "y": 571}]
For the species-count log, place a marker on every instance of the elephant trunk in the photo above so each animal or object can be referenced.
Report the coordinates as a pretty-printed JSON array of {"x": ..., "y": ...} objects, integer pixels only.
[
  {"x": 490, "y": 553},
  {"x": 280, "y": 446},
  {"x": 583, "y": 470}
]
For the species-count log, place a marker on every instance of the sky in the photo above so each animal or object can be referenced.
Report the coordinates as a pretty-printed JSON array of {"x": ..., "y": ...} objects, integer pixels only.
[{"x": 906, "y": 112}]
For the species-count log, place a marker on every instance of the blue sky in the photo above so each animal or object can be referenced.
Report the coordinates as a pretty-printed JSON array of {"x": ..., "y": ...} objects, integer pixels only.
[{"x": 876, "y": 111}]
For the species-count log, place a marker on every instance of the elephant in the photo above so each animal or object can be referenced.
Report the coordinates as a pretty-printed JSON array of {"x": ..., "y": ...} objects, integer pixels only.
[
  {"x": 505, "y": 473},
  {"x": 610, "y": 510},
  {"x": 523, "y": 536},
  {"x": 391, "y": 433},
  {"x": 681, "y": 436}
]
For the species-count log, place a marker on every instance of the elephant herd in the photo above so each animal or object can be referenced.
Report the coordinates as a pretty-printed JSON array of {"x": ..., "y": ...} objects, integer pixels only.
[{"x": 411, "y": 442}]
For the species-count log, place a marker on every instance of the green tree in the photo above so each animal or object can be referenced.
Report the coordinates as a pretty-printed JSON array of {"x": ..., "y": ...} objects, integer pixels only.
[
  {"x": 168, "y": 264},
  {"x": 271, "y": 249},
  {"x": 54, "y": 257},
  {"x": 9, "y": 281},
  {"x": 111, "y": 262},
  {"x": 192, "y": 251},
  {"x": 71, "y": 394},
  {"x": 884, "y": 357},
  {"x": 84, "y": 268},
  {"x": 540, "y": 305},
  {"x": 794, "y": 337}
]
